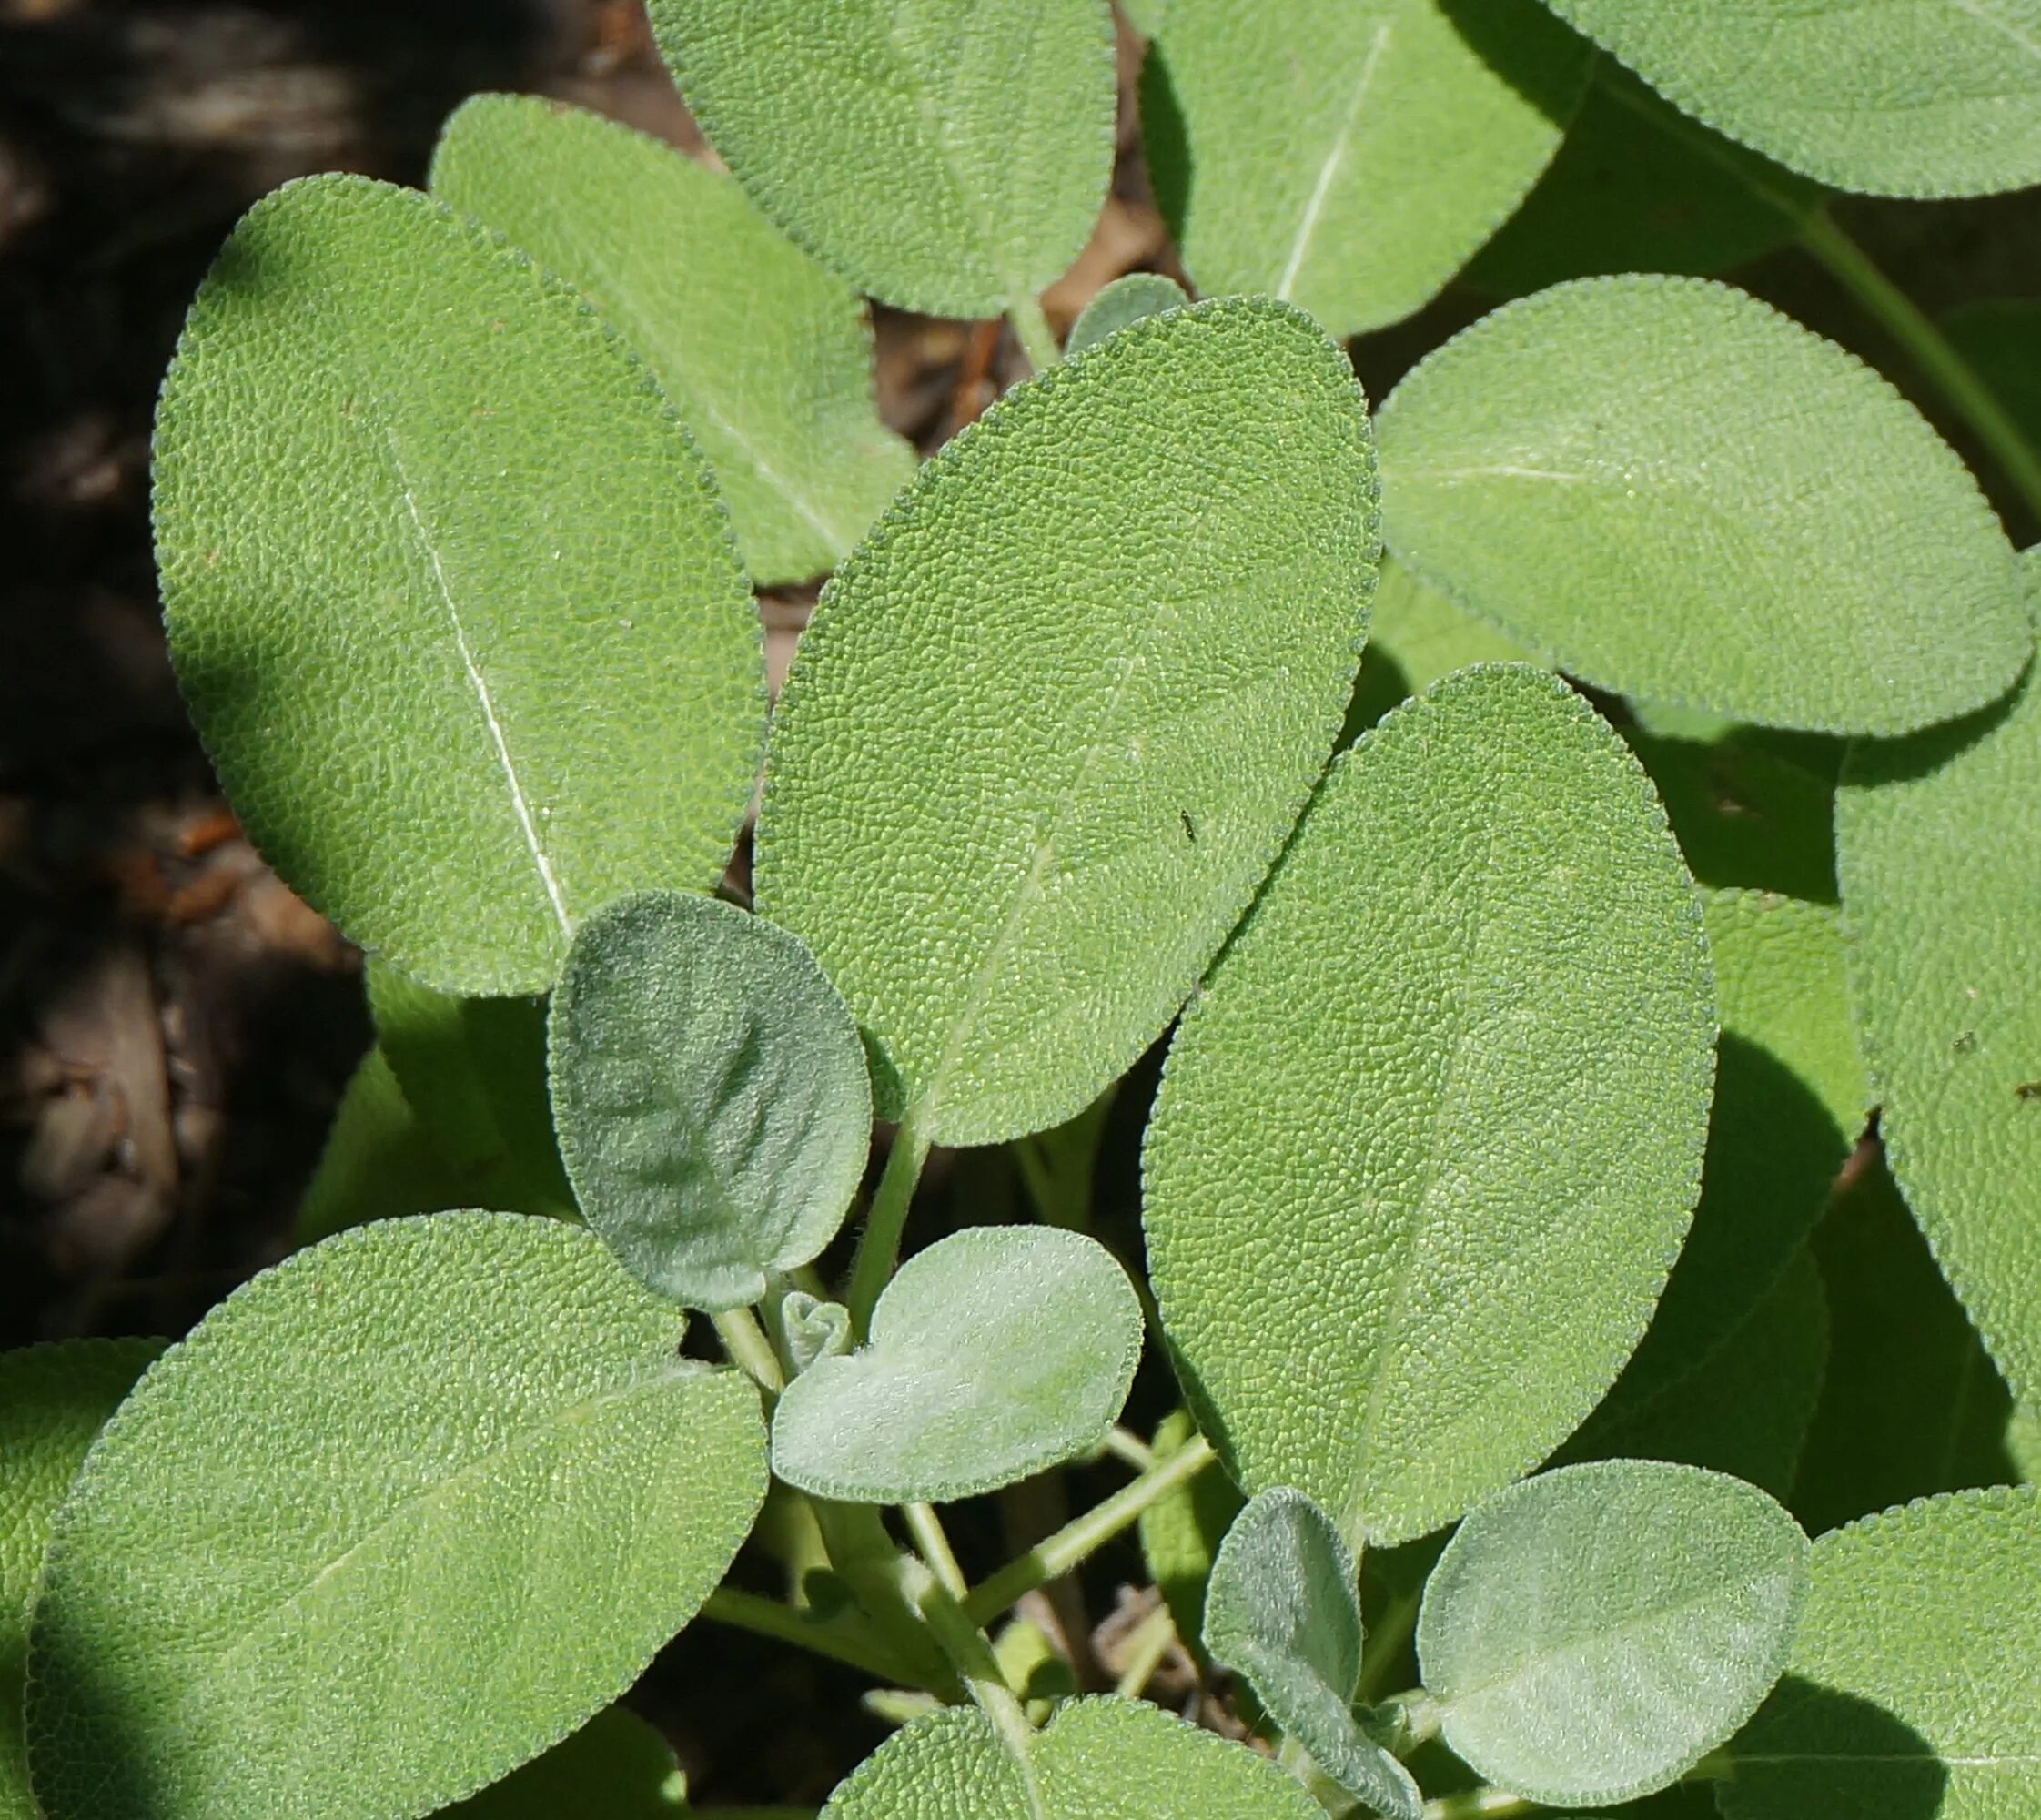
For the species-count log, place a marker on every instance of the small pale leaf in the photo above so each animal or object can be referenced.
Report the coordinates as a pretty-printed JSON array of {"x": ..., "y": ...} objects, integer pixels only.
[{"x": 1123, "y": 301}]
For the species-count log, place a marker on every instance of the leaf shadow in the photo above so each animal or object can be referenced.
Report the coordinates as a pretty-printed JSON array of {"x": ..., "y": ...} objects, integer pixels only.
[
  {"x": 1813, "y": 1749},
  {"x": 1529, "y": 48}
]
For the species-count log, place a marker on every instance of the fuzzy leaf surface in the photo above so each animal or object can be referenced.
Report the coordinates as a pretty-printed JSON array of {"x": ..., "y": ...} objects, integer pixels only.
[
  {"x": 401, "y": 1513},
  {"x": 1349, "y": 155},
  {"x": 1125, "y": 300},
  {"x": 616, "y": 1767},
  {"x": 1428, "y": 1140},
  {"x": 996, "y": 1352},
  {"x": 1592, "y": 1632},
  {"x": 946, "y": 156},
  {"x": 1052, "y": 720},
  {"x": 1915, "y": 1684},
  {"x": 1664, "y": 487},
  {"x": 1921, "y": 98},
  {"x": 766, "y": 355},
  {"x": 711, "y": 1094},
  {"x": 448, "y": 592}
]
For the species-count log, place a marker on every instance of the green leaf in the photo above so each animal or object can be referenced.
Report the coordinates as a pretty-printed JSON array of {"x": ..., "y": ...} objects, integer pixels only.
[
  {"x": 1591, "y": 1633},
  {"x": 1052, "y": 722},
  {"x": 1415, "y": 636},
  {"x": 1938, "y": 849},
  {"x": 616, "y": 1767},
  {"x": 1667, "y": 488},
  {"x": 399, "y": 1513},
  {"x": 1282, "y": 1610},
  {"x": 1123, "y": 301},
  {"x": 996, "y": 1352},
  {"x": 1927, "y": 98},
  {"x": 1349, "y": 155},
  {"x": 946, "y": 155},
  {"x": 1915, "y": 1685},
  {"x": 711, "y": 1094},
  {"x": 1483, "y": 935},
  {"x": 1098, "y": 1759},
  {"x": 456, "y": 706},
  {"x": 766, "y": 355},
  {"x": 1180, "y": 1533},
  {"x": 378, "y": 1161},
  {"x": 53, "y": 1400}
]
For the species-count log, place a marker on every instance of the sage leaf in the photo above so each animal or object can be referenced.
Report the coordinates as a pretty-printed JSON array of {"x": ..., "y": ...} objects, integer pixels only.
[
  {"x": 1125, "y": 300},
  {"x": 1667, "y": 488},
  {"x": 399, "y": 1514},
  {"x": 766, "y": 355},
  {"x": 1915, "y": 1683},
  {"x": 1181, "y": 1532},
  {"x": 946, "y": 156},
  {"x": 455, "y": 708},
  {"x": 616, "y": 1767},
  {"x": 1099, "y": 1759},
  {"x": 1481, "y": 937},
  {"x": 54, "y": 1399},
  {"x": 1349, "y": 155},
  {"x": 1052, "y": 722},
  {"x": 711, "y": 1094},
  {"x": 1929, "y": 97},
  {"x": 1591, "y": 1633},
  {"x": 996, "y": 1352},
  {"x": 378, "y": 1160},
  {"x": 1415, "y": 636},
  {"x": 1283, "y": 1610},
  {"x": 1946, "y": 987}
]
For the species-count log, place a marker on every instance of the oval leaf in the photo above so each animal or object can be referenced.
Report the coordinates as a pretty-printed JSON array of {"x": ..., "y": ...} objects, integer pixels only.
[
  {"x": 399, "y": 1513},
  {"x": 1348, "y": 156},
  {"x": 1915, "y": 1683},
  {"x": 1931, "y": 97},
  {"x": 767, "y": 356},
  {"x": 1669, "y": 490},
  {"x": 1099, "y": 1759},
  {"x": 1591, "y": 1633},
  {"x": 1051, "y": 722},
  {"x": 997, "y": 1352},
  {"x": 1428, "y": 1140},
  {"x": 711, "y": 1094},
  {"x": 946, "y": 156},
  {"x": 1123, "y": 301},
  {"x": 456, "y": 707}
]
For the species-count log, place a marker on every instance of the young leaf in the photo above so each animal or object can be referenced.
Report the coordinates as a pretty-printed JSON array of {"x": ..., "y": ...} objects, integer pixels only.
[
  {"x": 1483, "y": 936},
  {"x": 1591, "y": 1633},
  {"x": 711, "y": 1094},
  {"x": 1932, "y": 98},
  {"x": 1123, "y": 301},
  {"x": 616, "y": 1767},
  {"x": 1669, "y": 490},
  {"x": 1938, "y": 848},
  {"x": 1282, "y": 1610},
  {"x": 1348, "y": 156},
  {"x": 399, "y": 1514},
  {"x": 997, "y": 1352},
  {"x": 946, "y": 155},
  {"x": 1915, "y": 1683},
  {"x": 1052, "y": 722},
  {"x": 1415, "y": 636},
  {"x": 448, "y": 588},
  {"x": 766, "y": 355},
  {"x": 53, "y": 1400},
  {"x": 379, "y": 1162},
  {"x": 1180, "y": 1533},
  {"x": 1098, "y": 1759}
]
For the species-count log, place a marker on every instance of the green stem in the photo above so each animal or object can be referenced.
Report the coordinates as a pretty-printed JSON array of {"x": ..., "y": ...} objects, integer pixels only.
[
  {"x": 1129, "y": 1448},
  {"x": 926, "y": 1528},
  {"x": 1478, "y": 1803},
  {"x": 971, "y": 1651},
  {"x": 1147, "y": 1646},
  {"x": 885, "y": 1584},
  {"x": 1930, "y": 350},
  {"x": 744, "y": 1339},
  {"x": 1056, "y": 1555},
  {"x": 1384, "y": 1642},
  {"x": 1404, "y": 1721},
  {"x": 879, "y": 1249},
  {"x": 768, "y": 1618},
  {"x": 1031, "y": 330}
]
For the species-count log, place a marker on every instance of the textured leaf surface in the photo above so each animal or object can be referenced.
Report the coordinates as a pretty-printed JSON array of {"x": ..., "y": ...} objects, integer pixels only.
[
  {"x": 1915, "y": 1685},
  {"x": 765, "y": 355},
  {"x": 53, "y": 1400},
  {"x": 1428, "y": 1140},
  {"x": 616, "y": 1767},
  {"x": 997, "y": 1352},
  {"x": 1592, "y": 1632},
  {"x": 1921, "y": 98},
  {"x": 946, "y": 155},
  {"x": 1052, "y": 722},
  {"x": 448, "y": 591},
  {"x": 1101, "y": 1759},
  {"x": 711, "y": 1094},
  {"x": 398, "y": 1515},
  {"x": 1348, "y": 156},
  {"x": 1283, "y": 1610},
  {"x": 1181, "y": 1532},
  {"x": 1123, "y": 301},
  {"x": 1938, "y": 849},
  {"x": 1667, "y": 488}
]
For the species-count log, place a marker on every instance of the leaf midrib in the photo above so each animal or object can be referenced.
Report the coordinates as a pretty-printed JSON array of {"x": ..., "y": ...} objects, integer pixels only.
[{"x": 1314, "y": 206}]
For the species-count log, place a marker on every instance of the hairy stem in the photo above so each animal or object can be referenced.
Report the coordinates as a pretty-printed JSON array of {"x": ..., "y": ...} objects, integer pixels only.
[
  {"x": 1389, "y": 1636},
  {"x": 1147, "y": 1645},
  {"x": 926, "y": 1528},
  {"x": 744, "y": 1340},
  {"x": 879, "y": 1249},
  {"x": 768, "y": 1618},
  {"x": 1478, "y": 1803},
  {"x": 1031, "y": 330}
]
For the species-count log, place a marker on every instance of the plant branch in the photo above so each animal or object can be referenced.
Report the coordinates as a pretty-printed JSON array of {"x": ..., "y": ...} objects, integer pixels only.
[
  {"x": 926, "y": 1528},
  {"x": 1478, "y": 1803},
  {"x": 768, "y": 1618},
  {"x": 879, "y": 1249},
  {"x": 744, "y": 1340},
  {"x": 1383, "y": 1642},
  {"x": 1127, "y": 1447},
  {"x": 1147, "y": 1645},
  {"x": 1031, "y": 330}
]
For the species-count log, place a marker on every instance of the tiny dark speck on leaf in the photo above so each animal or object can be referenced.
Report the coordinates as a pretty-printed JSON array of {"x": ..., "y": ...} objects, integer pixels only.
[
  {"x": 1964, "y": 1044},
  {"x": 1191, "y": 827},
  {"x": 2028, "y": 1092}
]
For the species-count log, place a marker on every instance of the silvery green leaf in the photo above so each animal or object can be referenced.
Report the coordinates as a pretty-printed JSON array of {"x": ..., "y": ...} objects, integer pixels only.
[{"x": 1125, "y": 300}]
